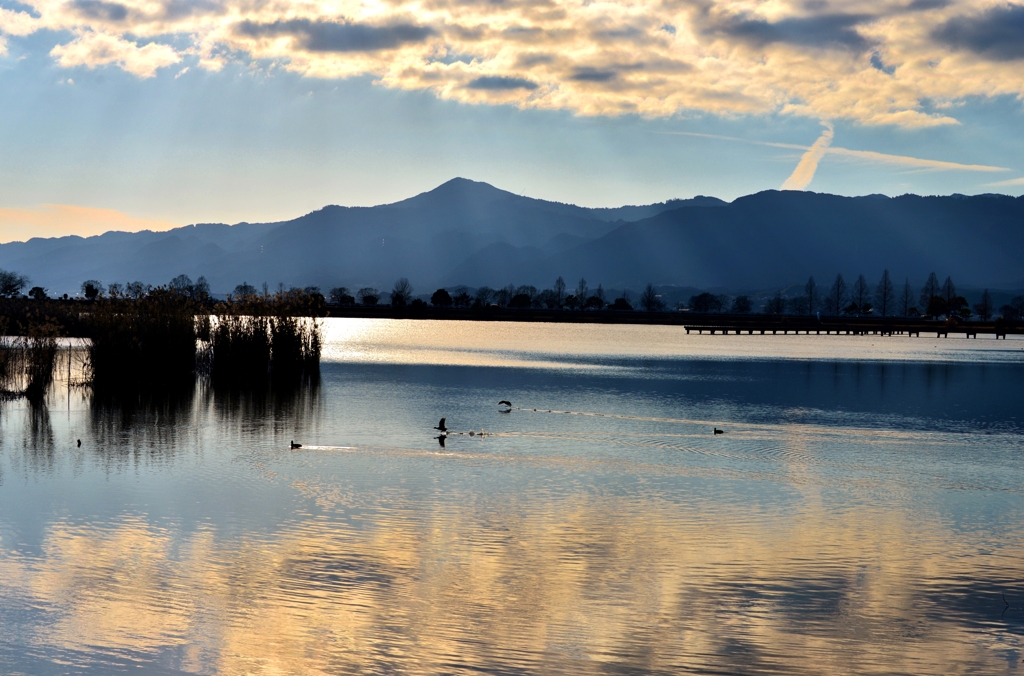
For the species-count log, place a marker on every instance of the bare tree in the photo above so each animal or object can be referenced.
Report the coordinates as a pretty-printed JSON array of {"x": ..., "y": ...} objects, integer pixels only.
[
  {"x": 860, "y": 296},
  {"x": 649, "y": 299},
  {"x": 905, "y": 303},
  {"x": 835, "y": 301},
  {"x": 483, "y": 295},
  {"x": 984, "y": 306},
  {"x": 559, "y": 290},
  {"x": 582, "y": 290},
  {"x": 92, "y": 289},
  {"x": 930, "y": 290},
  {"x": 948, "y": 291},
  {"x": 776, "y": 305},
  {"x": 600, "y": 294},
  {"x": 885, "y": 295},
  {"x": 137, "y": 290},
  {"x": 115, "y": 290},
  {"x": 741, "y": 305},
  {"x": 11, "y": 284},
  {"x": 401, "y": 294},
  {"x": 368, "y": 296},
  {"x": 338, "y": 295},
  {"x": 811, "y": 289}
]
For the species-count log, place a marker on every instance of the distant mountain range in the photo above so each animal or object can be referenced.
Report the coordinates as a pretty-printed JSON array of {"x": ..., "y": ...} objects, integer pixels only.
[{"x": 466, "y": 232}]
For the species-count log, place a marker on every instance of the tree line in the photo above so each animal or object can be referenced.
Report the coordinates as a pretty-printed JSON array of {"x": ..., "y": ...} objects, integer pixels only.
[{"x": 884, "y": 298}]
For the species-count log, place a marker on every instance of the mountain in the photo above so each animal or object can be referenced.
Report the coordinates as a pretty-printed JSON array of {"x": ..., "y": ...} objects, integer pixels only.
[
  {"x": 774, "y": 238},
  {"x": 466, "y": 232}
]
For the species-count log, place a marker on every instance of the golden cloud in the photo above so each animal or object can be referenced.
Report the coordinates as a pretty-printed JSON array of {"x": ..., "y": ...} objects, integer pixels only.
[{"x": 877, "y": 63}]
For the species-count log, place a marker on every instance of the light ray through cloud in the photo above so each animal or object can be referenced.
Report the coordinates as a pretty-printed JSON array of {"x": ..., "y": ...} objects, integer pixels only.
[{"x": 803, "y": 174}]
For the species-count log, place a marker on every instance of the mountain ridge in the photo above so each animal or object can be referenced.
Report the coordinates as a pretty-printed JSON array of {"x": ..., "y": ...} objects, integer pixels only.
[{"x": 472, "y": 233}]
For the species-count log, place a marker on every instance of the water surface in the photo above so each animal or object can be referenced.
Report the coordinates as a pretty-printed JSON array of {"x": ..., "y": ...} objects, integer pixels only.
[{"x": 862, "y": 512}]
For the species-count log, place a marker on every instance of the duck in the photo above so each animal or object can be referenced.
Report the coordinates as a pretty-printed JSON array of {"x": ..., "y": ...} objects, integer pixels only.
[
  {"x": 295, "y": 445},
  {"x": 718, "y": 431}
]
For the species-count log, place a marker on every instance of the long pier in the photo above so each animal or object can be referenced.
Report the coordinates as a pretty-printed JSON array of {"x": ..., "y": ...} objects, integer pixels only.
[
  {"x": 701, "y": 323},
  {"x": 884, "y": 326}
]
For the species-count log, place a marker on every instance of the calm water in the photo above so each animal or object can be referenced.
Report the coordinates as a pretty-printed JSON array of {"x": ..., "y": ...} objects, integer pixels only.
[{"x": 863, "y": 512}]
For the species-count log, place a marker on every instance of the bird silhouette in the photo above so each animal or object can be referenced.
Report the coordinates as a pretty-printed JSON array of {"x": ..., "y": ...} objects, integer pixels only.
[
  {"x": 505, "y": 402},
  {"x": 718, "y": 431},
  {"x": 79, "y": 443},
  {"x": 440, "y": 426},
  {"x": 295, "y": 445}
]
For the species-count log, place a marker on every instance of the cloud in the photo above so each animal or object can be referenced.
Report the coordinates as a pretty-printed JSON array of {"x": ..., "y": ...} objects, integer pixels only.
[
  {"x": 1008, "y": 183},
  {"x": 59, "y": 220},
  {"x": 997, "y": 33},
  {"x": 495, "y": 82},
  {"x": 825, "y": 31},
  {"x": 326, "y": 36},
  {"x": 803, "y": 174},
  {"x": 99, "y": 49},
  {"x": 863, "y": 155},
  {"x": 906, "y": 63}
]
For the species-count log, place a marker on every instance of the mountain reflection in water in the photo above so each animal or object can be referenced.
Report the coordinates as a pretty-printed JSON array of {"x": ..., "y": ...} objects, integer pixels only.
[{"x": 858, "y": 516}]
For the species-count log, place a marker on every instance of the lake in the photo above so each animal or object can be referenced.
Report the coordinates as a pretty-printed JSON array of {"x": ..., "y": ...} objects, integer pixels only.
[{"x": 863, "y": 511}]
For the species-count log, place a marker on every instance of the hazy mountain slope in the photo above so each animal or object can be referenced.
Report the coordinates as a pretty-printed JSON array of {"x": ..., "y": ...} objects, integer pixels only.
[
  {"x": 465, "y": 232},
  {"x": 774, "y": 238}
]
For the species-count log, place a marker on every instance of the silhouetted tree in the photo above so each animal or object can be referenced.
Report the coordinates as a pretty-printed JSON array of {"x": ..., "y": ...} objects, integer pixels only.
[
  {"x": 503, "y": 296},
  {"x": 650, "y": 301},
  {"x": 462, "y": 299},
  {"x": 593, "y": 303},
  {"x": 245, "y": 290},
  {"x": 582, "y": 290},
  {"x": 860, "y": 296},
  {"x": 137, "y": 290},
  {"x": 741, "y": 305},
  {"x": 811, "y": 291},
  {"x": 37, "y": 293},
  {"x": 441, "y": 298},
  {"x": 115, "y": 290},
  {"x": 182, "y": 285},
  {"x": 11, "y": 284},
  {"x": 958, "y": 307},
  {"x": 1014, "y": 309},
  {"x": 984, "y": 306},
  {"x": 92, "y": 289},
  {"x": 368, "y": 296},
  {"x": 401, "y": 293},
  {"x": 885, "y": 295},
  {"x": 936, "y": 306},
  {"x": 776, "y": 305},
  {"x": 835, "y": 301},
  {"x": 931, "y": 288},
  {"x": 572, "y": 302},
  {"x": 705, "y": 303},
  {"x": 600, "y": 294},
  {"x": 483, "y": 295},
  {"x": 559, "y": 290},
  {"x": 905, "y": 303},
  {"x": 621, "y": 304},
  {"x": 520, "y": 301},
  {"x": 339, "y": 295},
  {"x": 201, "y": 289},
  {"x": 948, "y": 292},
  {"x": 547, "y": 299}
]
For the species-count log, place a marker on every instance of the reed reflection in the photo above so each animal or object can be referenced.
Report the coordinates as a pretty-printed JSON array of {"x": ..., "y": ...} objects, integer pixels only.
[{"x": 575, "y": 585}]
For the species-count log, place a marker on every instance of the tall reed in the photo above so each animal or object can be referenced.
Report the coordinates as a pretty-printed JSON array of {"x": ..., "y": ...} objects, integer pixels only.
[{"x": 146, "y": 342}]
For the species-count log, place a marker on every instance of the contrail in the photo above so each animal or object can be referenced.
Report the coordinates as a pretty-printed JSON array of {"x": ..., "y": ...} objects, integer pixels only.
[{"x": 804, "y": 172}]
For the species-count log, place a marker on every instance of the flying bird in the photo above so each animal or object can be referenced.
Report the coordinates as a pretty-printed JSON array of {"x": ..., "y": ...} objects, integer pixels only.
[
  {"x": 505, "y": 402},
  {"x": 441, "y": 428},
  {"x": 79, "y": 443}
]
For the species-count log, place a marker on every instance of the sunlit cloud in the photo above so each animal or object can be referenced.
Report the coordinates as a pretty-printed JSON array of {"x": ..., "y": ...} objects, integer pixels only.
[
  {"x": 877, "y": 63},
  {"x": 58, "y": 220},
  {"x": 1010, "y": 182}
]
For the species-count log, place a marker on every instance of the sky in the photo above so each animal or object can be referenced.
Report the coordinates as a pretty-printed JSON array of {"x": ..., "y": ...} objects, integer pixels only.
[{"x": 148, "y": 114}]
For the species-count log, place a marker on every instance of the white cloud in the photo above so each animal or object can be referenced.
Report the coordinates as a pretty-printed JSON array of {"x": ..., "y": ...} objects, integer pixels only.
[
  {"x": 876, "y": 62},
  {"x": 93, "y": 49}
]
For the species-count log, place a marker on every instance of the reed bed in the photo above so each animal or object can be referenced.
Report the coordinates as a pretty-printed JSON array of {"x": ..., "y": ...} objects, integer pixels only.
[{"x": 27, "y": 362}]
